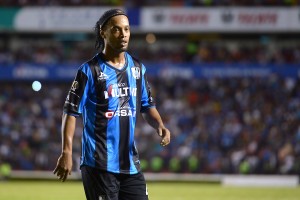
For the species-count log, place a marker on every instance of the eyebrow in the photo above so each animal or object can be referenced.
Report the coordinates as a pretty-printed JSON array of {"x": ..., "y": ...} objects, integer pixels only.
[{"x": 116, "y": 26}]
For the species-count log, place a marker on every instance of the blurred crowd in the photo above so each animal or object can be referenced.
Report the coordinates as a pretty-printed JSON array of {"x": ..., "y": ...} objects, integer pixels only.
[
  {"x": 237, "y": 125},
  {"x": 240, "y": 125},
  {"x": 246, "y": 125},
  {"x": 137, "y": 3},
  {"x": 179, "y": 49}
]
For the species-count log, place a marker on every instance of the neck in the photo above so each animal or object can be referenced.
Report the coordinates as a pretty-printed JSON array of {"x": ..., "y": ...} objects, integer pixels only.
[{"x": 116, "y": 59}]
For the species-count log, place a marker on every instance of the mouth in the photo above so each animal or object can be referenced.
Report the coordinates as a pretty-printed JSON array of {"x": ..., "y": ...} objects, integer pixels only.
[{"x": 123, "y": 43}]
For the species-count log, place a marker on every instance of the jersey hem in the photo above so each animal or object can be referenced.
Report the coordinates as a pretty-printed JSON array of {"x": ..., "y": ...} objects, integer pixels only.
[
  {"x": 112, "y": 171},
  {"x": 147, "y": 108},
  {"x": 71, "y": 114}
]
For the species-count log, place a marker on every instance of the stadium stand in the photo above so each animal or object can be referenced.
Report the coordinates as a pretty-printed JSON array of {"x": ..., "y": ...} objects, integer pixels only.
[
  {"x": 241, "y": 125},
  {"x": 231, "y": 125},
  {"x": 261, "y": 49}
]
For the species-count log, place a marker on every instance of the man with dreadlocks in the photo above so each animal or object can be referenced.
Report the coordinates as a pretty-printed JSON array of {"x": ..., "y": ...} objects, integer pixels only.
[{"x": 109, "y": 91}]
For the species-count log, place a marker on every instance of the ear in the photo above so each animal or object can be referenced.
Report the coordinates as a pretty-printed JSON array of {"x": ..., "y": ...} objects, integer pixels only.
[{"x": 102, "y": 33}]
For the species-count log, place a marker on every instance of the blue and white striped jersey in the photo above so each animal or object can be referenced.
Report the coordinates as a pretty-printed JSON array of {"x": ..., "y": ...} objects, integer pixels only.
[{"x": 109, "y": 101}]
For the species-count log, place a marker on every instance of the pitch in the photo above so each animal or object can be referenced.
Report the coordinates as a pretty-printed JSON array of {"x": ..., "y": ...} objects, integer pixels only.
[{"x": 73, "y": 190}]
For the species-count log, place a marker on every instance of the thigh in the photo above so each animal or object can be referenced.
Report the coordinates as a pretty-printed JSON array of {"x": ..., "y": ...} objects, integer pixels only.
[
  {"x": 133, "y": 187},
  {"x": 99, "y": 185}
]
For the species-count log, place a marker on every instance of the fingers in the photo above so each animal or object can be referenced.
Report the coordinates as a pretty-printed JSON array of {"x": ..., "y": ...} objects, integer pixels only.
[
  {"x": 61, "y": 173},
  {"x": 165, "y": 142},
  {"x": 64, "y": 176},
  {"x": 166, "y": 138},
  {"x": 63, "y": 167}
]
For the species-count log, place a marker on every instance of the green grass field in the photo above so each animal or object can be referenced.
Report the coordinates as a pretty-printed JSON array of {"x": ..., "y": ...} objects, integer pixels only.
[{"x": 52, "y": 190}]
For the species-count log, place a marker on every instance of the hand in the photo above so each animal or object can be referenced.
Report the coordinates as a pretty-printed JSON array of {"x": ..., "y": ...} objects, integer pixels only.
[
  {"x": 164, "y": 133},
  {"x": 63, "y": 167}
]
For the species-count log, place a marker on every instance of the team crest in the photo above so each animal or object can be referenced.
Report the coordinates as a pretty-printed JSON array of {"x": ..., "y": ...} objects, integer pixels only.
[{"x": 136, "y": 72}]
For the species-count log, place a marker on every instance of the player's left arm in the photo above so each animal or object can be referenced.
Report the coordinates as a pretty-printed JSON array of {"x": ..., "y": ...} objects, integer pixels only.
[
  {"x": 149, "y": 111},
  {"x": 153, "y": 118}
]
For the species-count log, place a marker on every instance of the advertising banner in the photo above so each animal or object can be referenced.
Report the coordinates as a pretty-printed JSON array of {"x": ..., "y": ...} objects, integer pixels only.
[
  {"x": 60, "y": 19},
  {"x": 155, "y": 19},
  {"x": 66, "y": 72},
  {"x": 221, "y": 19},
  {"x": 7, "y": 16}
]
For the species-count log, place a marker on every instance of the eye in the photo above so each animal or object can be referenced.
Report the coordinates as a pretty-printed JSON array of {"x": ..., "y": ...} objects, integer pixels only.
[{"x": 115, "y": 30}]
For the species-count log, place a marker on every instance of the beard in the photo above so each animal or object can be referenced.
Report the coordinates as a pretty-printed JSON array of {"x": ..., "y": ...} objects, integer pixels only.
[
  {"x": 118, "y": 46},
  {"x": 123, "y": 48}
]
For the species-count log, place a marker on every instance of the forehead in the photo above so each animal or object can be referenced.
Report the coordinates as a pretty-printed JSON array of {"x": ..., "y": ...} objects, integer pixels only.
[{"x": 119, "y": 20}]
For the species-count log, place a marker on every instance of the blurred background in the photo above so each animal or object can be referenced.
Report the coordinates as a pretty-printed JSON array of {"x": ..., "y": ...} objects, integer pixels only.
[{"x": 224, "y": 73}]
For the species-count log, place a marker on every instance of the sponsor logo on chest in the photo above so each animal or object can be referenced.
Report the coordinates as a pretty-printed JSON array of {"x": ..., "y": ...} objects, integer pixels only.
[
  {"x": 119, "y": 90},
  {"x": 120, "y": 113}
]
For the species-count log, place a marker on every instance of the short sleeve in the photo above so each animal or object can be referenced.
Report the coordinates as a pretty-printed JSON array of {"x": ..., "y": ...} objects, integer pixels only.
[
  {"x": 147, "y": 99},
  {"x": 77, "y": 94}
]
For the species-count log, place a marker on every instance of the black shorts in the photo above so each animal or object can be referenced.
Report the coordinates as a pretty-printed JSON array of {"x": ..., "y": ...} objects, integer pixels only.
[{"x": 102, "y": 185}]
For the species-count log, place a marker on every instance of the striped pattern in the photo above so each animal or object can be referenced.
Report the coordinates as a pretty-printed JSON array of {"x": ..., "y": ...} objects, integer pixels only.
[{"x": 109, "y": 101}]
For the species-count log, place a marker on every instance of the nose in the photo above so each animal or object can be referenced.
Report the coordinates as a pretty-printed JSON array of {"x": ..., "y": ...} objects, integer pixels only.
[{"x": 124, "y": 33}]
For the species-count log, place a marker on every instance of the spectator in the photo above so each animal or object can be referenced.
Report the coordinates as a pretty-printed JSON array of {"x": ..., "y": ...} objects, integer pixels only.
[{"x": 241, "y": 125}]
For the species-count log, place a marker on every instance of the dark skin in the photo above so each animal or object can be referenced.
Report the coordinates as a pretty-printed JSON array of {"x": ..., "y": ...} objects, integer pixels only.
[{"x": 116, "y": 34}]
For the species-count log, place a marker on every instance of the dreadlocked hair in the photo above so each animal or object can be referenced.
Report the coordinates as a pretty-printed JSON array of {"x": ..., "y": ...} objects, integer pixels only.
[{"x": 99, "y": 40}]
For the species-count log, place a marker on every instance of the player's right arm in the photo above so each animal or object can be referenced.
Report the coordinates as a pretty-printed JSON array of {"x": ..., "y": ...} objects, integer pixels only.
[
  {"x": 64, "y": 163},
  {"x": 73, "y": 107}
]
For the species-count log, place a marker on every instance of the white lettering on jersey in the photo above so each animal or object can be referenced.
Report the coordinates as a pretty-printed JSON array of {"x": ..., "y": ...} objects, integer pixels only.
[
  {"x": 118, "y": 90},
  {"x": 120, "y": 113}
]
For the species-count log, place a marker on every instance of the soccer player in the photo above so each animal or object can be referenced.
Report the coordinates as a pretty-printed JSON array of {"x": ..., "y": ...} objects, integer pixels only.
[{"x": 109, "y": 91}]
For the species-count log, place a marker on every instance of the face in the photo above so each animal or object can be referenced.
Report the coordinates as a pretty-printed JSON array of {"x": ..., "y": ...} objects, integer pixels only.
[{"x": 116, "y": 33}]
